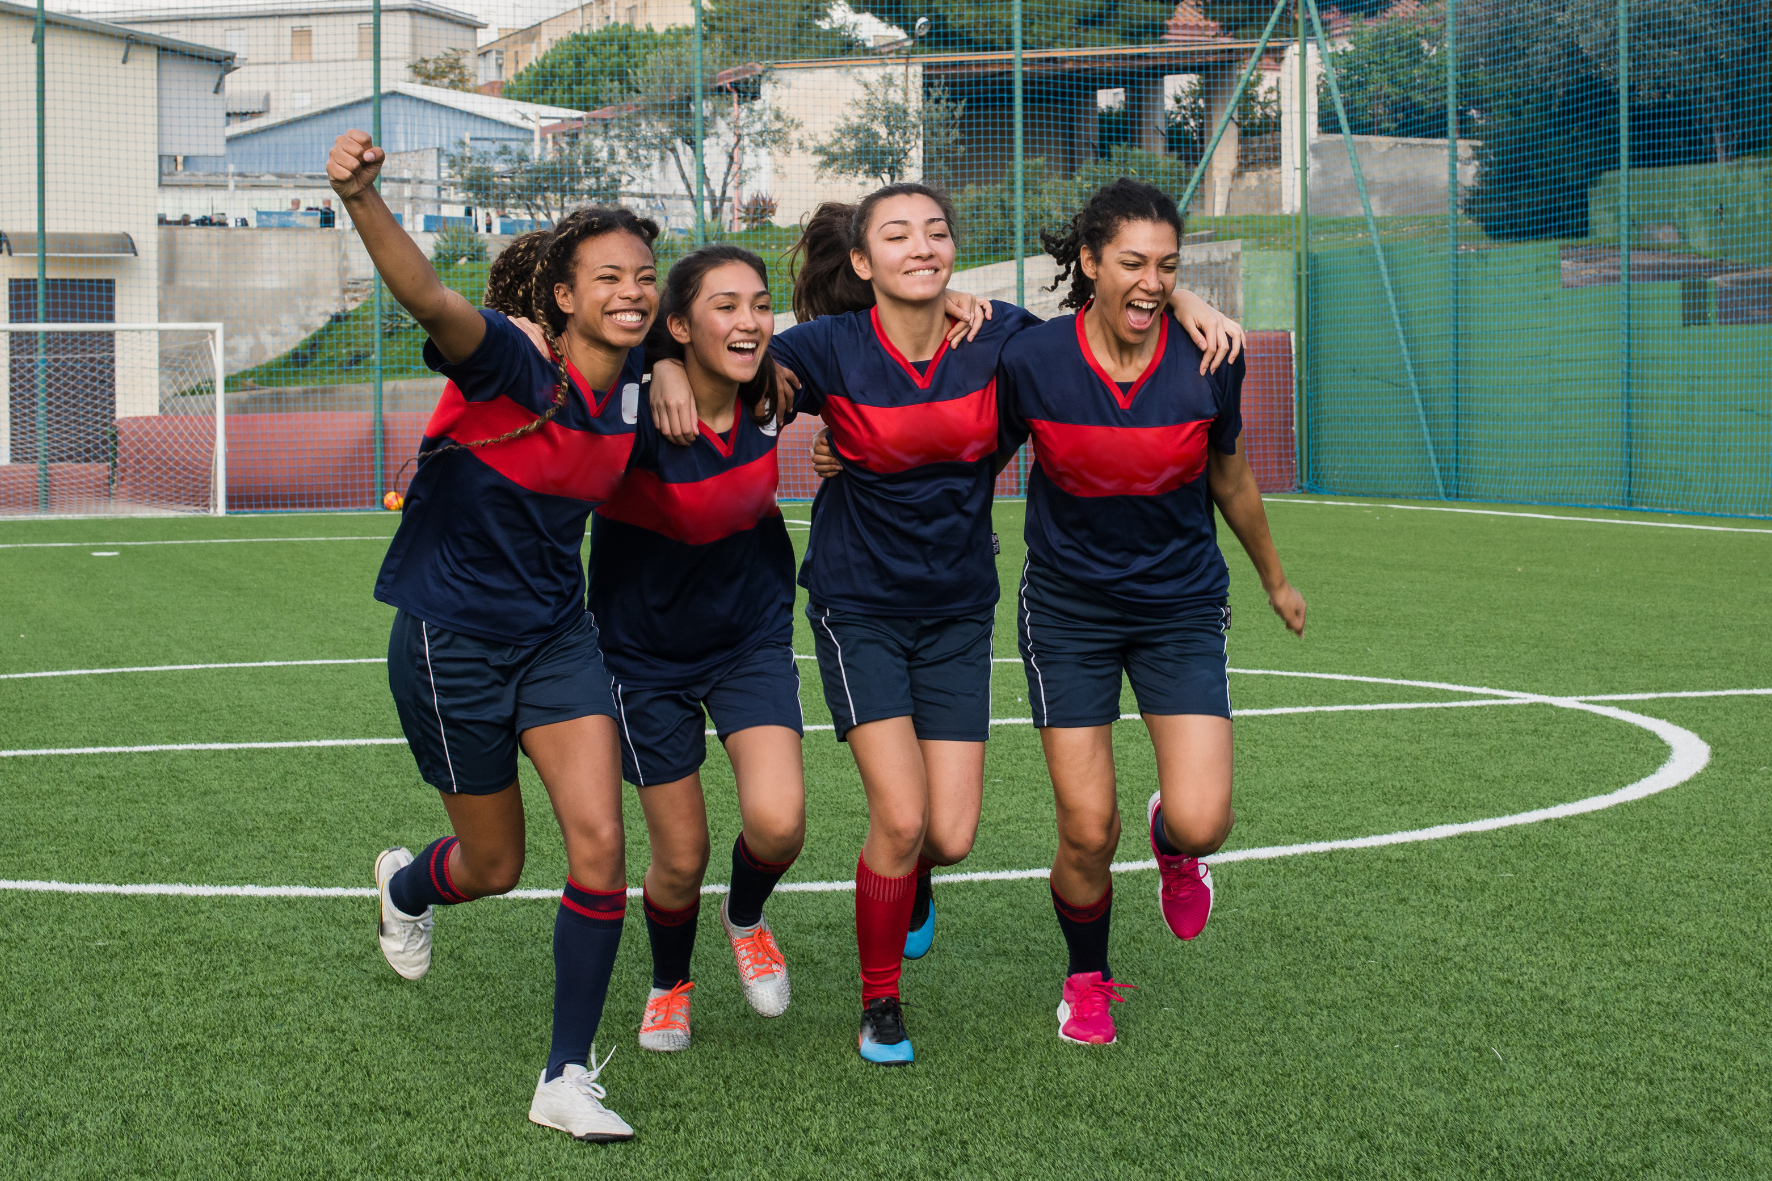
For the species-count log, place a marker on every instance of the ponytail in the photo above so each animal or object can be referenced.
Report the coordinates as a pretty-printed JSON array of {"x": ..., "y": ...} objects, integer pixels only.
[
  {"x": 825, "y": 282},
  {"x": 1094, "y": 226}
]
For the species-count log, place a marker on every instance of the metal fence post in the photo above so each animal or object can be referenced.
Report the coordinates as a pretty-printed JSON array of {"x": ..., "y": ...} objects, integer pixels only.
[
  {"x": 1301, "y": 295},
  {"x": 42, "y": 357},
  {"x": 1020, "y": 179},
  {"x": 379, "y": 442},
  {"x": 1624, "y": 244},
  {"x": 695, "y": 93},
  {"x": 1453, "y": 359}
]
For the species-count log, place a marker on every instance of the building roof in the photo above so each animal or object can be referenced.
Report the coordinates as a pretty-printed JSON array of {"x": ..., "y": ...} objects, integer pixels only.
[
  {"x": 502, "y": 110},
  {"x": 272, "y": 8},
  {"x": 120, "y": 32}
]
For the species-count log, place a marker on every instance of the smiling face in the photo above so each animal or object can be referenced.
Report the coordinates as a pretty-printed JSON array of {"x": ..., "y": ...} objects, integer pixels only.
[
  {"x": 910, "y": 250},
  {"x": 727, "y": 325},
  {"x": 1134, "y": 278},
  {"x": 614, "y": 291}
]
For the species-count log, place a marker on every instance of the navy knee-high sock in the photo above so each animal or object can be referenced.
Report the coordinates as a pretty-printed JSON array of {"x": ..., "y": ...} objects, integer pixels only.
[
  {"x": 672, "y": 935},
  {"x": 753, "y": 879},
  {"x": 587, "y": 931},
  {"x": 1086, "y": 932},
  {"x": 426, "y": 881}
]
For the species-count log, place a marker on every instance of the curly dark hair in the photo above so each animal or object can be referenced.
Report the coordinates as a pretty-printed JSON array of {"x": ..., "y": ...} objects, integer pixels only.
[
  {"x": 1094, "y": 226},
  {"x": 521, "y": 283},
  {"x": 825, "y": 284},
  {"x": 682, "y": 287}
]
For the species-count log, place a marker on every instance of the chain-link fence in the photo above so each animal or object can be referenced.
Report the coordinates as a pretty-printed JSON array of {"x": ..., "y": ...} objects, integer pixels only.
[{"x": 1485, "y": 251}]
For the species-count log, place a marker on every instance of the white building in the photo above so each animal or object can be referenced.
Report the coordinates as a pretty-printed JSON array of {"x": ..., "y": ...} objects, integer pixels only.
[
  {"x": 501, "y": 60},
  {"x": 299, "y": 54},
  {"x": 151, "y": 96}
]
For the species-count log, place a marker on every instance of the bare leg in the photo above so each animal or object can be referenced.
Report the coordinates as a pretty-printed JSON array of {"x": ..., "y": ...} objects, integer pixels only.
[
  {"x": 955, "y": 775},
  {"x": 771, "y": 790},
  {"x": 892, "y": 772},
  {"x": 1194, "y": 773},
  {"x": 677, "y": 829},
  {"x": 488, "y": 856},
  {"x": 1081, "y": 761},
  {"x": 580, "y": 765}
]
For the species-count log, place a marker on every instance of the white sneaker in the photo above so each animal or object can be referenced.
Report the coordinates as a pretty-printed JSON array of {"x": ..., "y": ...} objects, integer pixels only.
[
  {"x": 405, "y": 940},
  {"x": 761, "y": 968},
  {"x": 573, "y": 1103},
  {"x": 665, "y": 1025}
]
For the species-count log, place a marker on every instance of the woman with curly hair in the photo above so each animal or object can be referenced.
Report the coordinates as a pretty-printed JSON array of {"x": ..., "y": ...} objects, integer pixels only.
[{"x": 492, "y": 650}]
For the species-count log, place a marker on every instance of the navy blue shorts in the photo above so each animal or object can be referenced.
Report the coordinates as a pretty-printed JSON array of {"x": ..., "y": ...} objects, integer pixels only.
[
  {"x": 1075, "y": 645},
  {"x": 663, "y": 737},
  {"x": 463, "y": 701},
  {"x": 935, "y": 671}
]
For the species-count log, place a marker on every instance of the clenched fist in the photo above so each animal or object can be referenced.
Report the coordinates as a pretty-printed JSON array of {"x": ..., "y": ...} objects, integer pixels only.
[{"x": 353, "y": 163}]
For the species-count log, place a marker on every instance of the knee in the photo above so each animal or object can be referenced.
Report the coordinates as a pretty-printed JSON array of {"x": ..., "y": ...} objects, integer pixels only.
[
  {"x": 776, "y": 840},
  {"x": 1197, "y": 836},
  {"x": 681, "y": 865},
  {"x": 1092, "y": 839},
  {"x": 948, "y": 848},
  {"x": 496, "y": 875},
  {"x": 902, "y": 833}
]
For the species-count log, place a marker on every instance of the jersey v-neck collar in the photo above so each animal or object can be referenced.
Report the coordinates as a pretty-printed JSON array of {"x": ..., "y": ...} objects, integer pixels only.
[
  {"x": 592, "y": 399},
  {"x": 1123, "y": 397},
  {"x": 924, "y": 379},
  {"x": 723, "y": 445}
]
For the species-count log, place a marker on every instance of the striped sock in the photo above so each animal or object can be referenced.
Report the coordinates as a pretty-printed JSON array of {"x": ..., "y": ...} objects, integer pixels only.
[
  {"x": 753, "y": 879},
  {"x": 426, "y": 881},
  {"x": 587, "y": 932},
  {"x": 672, "y": 935}
]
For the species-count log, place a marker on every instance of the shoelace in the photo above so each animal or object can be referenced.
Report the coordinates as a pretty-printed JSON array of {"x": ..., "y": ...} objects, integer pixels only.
[
  {"x": 1180, "y": 879},
  {"x": 887, "y": 1021},
  {"x": 668, "y": 1011},
  {"x": 587, "y": 1084},
  {"x": 757, "y": 954},
  {"x": 1095, "y": 997}
]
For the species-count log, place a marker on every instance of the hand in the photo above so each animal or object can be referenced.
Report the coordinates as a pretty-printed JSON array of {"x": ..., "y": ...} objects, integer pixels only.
[
  {"x": 824, "y": 456},
  {"x": 353, "y": 164},
  {"x": 787, "y": 388},
  {"x": 1288, "y": 604},
  {"x": 970, "y": 311},
  {"x": 673, "y": 403},
  {"x": 533, "y": 331},
  {"x": 1218, "y": 337}
]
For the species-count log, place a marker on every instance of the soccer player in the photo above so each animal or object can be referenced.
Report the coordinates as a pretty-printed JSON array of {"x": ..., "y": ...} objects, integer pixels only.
[
  {"x": 692, "y": 584},
  {"x": 1133, "y": 448},
  {"x": 492, "y": 649},
  {"x": 900, "y": 566}
]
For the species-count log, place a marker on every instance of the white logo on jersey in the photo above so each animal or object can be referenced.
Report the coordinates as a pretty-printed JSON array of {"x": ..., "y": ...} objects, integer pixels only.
[
  {"x": 630, "y": 403},
  {"x": 768, "y": 428}
]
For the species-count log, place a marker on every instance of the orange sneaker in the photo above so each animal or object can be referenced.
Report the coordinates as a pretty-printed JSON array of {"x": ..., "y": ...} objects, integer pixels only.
[
  {"x": 665, "y": 1027},
  {"x": 761, "y": 969}
]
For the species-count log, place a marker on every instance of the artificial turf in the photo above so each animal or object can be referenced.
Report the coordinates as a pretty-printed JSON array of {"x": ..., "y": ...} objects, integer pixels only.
[{"x": 1581, "y": 997}]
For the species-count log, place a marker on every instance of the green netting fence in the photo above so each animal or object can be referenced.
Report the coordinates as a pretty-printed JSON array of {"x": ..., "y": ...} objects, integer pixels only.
[{"x": 1485, "y": 250}]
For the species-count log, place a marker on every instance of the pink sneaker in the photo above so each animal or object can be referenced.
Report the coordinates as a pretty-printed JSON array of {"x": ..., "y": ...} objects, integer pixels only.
[
  {"x": 1083, "y": 1017},
  {"x": 1186, "y": 890}
]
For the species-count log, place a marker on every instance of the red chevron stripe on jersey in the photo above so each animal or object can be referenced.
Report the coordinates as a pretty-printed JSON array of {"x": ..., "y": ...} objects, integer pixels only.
[
  {"x": 1124, "y": 397},
  {"x": 898, "y": 438},
  {"x": 1120, "y": 460},
  {"x": 698, "y": 512},
  {"x": 553, "y": 460}
]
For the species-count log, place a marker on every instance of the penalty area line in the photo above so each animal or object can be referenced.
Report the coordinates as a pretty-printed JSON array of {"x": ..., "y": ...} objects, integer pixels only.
[{"x": 1489, "y": 512}]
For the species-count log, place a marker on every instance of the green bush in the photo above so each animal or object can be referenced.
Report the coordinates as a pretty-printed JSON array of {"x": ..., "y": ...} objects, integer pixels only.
[{"x": 456, "y": 244}]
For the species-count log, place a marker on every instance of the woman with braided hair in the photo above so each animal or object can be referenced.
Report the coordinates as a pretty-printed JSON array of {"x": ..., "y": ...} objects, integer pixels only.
[
  {"x": 492, "y": 650},
  {"x": 1134, "y": 446}
]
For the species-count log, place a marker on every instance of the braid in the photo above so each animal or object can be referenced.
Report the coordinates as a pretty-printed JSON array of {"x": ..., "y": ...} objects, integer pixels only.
[
  {"x": 1094, "y": 226},
  {"x": 521, "y": 283}
]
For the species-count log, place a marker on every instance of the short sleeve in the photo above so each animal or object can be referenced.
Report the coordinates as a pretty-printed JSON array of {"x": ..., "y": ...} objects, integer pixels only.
[
  {"x": 1013, "y": 318},
  {"x": 506, "y": 364},
  {"x": 1012, "y": 427},
  {"x": 809, "y": 351},
  {"x": 1227, "y": 424}
]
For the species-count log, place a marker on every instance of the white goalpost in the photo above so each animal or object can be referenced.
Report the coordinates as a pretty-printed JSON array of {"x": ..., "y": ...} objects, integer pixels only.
[{"x": 103, "y": 419}]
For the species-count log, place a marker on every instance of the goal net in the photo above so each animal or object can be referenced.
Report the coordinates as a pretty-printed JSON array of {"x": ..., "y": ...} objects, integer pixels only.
[{"x": 112, "y": 418}]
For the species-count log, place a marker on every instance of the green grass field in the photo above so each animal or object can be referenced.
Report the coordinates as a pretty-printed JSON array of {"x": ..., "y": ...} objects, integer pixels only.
[{"x": 1580, "y": 997}]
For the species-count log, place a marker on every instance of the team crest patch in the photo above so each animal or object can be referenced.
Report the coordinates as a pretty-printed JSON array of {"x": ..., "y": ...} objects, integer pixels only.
[{"x": 630, "y": 403}]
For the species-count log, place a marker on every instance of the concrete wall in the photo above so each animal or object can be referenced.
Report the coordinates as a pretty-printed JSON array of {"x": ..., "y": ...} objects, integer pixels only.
[
  {"x": 1404, "y": 177},
  {"x": 1721, "y": 210}
]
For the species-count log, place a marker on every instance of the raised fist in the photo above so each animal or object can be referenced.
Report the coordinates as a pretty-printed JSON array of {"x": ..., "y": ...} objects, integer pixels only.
[{"x": 353, "y": 163}]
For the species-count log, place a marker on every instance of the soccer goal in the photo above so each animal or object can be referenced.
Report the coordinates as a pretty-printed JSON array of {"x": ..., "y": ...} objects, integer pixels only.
[{"x": 113, "y": 419}]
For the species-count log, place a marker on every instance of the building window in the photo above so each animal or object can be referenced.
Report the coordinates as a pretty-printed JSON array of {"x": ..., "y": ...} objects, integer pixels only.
[
  {"x": 365, "y": 42},
  {"x": 237, "y": 43},
  {"x": 301, "y": 45},
  {"x": 633, "y": 18}
]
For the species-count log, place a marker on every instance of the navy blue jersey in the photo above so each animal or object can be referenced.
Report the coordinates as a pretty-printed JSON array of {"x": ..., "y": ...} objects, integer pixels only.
[
  {"x": 906, "y": 529},
  {"x": 489, "y": 542},
  {"x": 690, "y": 559},
  {"x": 1118, "y": 497}
]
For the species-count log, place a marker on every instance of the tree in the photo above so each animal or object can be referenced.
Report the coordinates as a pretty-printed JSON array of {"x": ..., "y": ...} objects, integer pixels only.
[
  {"x": 448, "y": 70},
  {"x": 589, "y": 71},
  {"x": 887, "y": 126},
  {"x": 1045, "y": 23},
  {"x": 1392, "y": 74},
  {"x": 509, "y": 178},
  {"x": 791, "y": 29},
  {"x": 658, "y": 126}
]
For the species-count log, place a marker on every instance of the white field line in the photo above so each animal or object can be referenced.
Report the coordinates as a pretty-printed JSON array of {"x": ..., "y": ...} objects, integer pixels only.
[
  {"x": 170, "y": 668},
  {"x": 188, "y": 541},
  {"x": 1487, "y": 512},
  {"x": 1688, "y": 754},
  {"x": 212, "y": 746}
]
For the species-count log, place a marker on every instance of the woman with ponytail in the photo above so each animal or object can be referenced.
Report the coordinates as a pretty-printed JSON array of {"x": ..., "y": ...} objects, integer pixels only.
[
  {"x": 1134, "y": 447},
  {"x": 692, "y": 584},
  {"x": 900, "y": 566},
  {"x": 492, "y": 650}
]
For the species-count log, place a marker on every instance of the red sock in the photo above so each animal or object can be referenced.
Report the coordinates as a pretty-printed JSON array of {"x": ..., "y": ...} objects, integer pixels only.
[{"x": 882, "y": 920}]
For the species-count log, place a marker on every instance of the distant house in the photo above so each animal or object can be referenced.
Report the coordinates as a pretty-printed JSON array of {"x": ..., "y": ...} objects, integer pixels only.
[
  {"x": 116, "y": 99},
  {"x": 497, "y": 62},
  {"x": 296, "y": 55}
]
